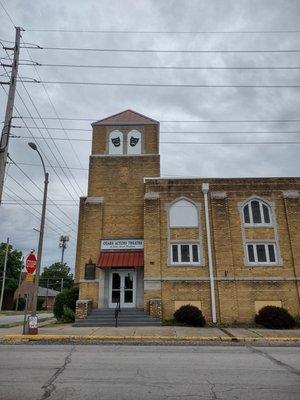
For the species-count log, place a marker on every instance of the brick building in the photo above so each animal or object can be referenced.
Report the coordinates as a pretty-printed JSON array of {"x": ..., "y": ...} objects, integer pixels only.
[{"x": 228, "y": 246}]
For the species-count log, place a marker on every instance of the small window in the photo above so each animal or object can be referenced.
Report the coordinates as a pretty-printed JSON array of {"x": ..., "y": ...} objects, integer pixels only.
[
  {"x": 134, "y": 142},
  {"x": 256, "y": 213},
  {"x": 115, "y": 145},
  {"x": 185, "y": 253},
  {"x": 89, "y": 272},
  {"x": 261, "y": 253}
]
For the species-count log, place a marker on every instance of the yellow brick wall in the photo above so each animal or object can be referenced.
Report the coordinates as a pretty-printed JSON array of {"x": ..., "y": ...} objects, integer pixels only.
[{"x": 235, "y": 297}]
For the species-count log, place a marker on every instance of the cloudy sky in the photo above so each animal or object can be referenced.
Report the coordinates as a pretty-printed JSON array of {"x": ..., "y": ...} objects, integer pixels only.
[{"x": 208, "y": 25}]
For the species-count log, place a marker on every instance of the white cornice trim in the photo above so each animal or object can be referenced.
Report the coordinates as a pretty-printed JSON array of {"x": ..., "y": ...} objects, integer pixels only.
[{"x": 94, "y": 200}]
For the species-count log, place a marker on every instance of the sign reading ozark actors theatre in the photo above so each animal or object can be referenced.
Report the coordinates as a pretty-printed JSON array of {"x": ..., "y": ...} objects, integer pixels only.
[{"x": 122, "y": 244}]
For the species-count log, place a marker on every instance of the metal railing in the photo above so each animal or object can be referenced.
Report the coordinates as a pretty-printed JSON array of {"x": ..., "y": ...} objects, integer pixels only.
[{"x": 117, "y": 311}]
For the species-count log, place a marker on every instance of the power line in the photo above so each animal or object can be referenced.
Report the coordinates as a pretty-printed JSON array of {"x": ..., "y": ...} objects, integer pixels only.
[
  {"x": 59, "y": 166},
  {"x": 177, "y": 121},
  {"x": 165, "y": 67},
  {"x": 274, "y": 31},
  {"x": 51, "y": 200},
  {"x": 39, "y": 202},
  {"x": 41, "y": 119},
  {"x": 162, "y": 51},
  {"x": 164, "y": 132},
  {"x": 174, "y": 142},
  {"x": 170, "y": 85},
  {"x": 25, "y": 202},
  {"x": 55, "y": 111},
  {"x": 51, "y": 166}
]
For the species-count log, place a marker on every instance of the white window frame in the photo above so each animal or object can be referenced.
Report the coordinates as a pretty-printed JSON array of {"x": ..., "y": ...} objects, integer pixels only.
[
  {"x": 266, "y": 244},
  {"x": 262, "y": 224},
  {"x": 185, "y": 263}
]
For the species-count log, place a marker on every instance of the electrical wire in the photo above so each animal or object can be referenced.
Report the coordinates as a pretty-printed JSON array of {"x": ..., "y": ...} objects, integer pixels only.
[
  {"x": 41, "y": 119},
  {"x": 164, "y": 67},
  {"x": 39, "y": 202},
  {"x": 172, "y": 142},
  {"x": 55, "y": 111},
  {"x": 41, "y": 150},
  {"x": 49, "y": 198},
  {"x": 163, "y": 51},
  {"x": 169, "y": 85},
  {"x": 179, "y": 121}
]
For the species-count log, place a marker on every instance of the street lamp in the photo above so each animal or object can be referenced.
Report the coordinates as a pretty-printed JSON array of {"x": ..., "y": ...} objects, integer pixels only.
[{"x": 41, "y": 237}]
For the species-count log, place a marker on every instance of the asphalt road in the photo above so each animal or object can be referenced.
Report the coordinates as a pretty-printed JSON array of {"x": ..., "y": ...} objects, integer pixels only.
[{"x": 62, "y": 372}]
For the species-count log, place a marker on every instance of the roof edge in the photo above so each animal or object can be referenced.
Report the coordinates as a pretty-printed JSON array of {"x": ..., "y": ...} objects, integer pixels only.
[{"x": 102, "y": 121}]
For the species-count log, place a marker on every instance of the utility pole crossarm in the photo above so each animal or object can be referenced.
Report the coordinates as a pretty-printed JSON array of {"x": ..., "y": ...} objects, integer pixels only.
[{"x": 9, "y": 110}]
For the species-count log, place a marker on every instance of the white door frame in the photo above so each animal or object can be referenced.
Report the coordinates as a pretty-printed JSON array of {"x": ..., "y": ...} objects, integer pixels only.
[{"x": 122, "y": 273}]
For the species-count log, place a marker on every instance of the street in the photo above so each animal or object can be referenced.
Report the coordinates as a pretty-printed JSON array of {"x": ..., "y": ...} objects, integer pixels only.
[{"x": 104, "y": 372}]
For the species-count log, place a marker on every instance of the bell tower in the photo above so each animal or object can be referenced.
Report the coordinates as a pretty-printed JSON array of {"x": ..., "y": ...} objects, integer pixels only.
[{"x": 125, "y": 150}]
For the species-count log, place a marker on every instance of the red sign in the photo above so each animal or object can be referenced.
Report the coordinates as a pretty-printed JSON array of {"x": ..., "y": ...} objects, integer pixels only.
[{"x": 30, "y": 263}]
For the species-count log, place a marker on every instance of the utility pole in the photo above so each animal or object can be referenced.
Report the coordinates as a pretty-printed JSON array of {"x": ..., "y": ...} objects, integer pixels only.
[
  {"x": 9, "y": 108},
  {"x": 63, "y": 245},
  {"x": 4, "y": 273}
]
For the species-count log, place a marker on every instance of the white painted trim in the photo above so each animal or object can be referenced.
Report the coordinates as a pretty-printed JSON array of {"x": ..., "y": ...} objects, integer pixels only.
[
  {"x": 122, "y": 272},
  {"x": 205, "y": 189},
  {"x": 94, "y": 200}
]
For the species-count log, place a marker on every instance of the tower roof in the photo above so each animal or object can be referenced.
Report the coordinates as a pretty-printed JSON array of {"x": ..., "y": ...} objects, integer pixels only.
[{"x": 127, "y": 117}]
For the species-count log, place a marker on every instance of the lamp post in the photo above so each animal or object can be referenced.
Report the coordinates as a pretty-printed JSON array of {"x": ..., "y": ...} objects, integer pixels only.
[{"x": 41, "y": 237}]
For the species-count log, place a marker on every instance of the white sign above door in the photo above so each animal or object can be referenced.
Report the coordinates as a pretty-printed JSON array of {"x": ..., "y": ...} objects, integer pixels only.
[{"x": 122, "y": 244}]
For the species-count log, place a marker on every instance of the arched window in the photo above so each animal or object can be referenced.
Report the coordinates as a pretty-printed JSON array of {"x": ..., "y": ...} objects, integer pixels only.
[
  {"x": 134, "y": 142},
  {"x": 183, "y": 214},
  {"x": 115, "y": 142},
  {"x": 256, "y": 212}
]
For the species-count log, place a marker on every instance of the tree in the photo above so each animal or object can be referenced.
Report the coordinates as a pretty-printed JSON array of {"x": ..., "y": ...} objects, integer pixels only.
[
  {"x": 14, "y": 266},
  {"x": 54, "y": 275}
]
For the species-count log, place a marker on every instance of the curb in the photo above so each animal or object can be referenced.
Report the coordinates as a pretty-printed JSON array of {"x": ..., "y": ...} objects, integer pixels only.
[{"x": 53, "y": 338}]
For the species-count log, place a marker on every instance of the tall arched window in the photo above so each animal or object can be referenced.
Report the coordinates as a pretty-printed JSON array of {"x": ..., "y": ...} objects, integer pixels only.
[
  {"x": 115, "y": 145},
  {"x": 256, "y": 212},
  {"x": 183, "y": 214},
  {"x": 134, "y": 142}
]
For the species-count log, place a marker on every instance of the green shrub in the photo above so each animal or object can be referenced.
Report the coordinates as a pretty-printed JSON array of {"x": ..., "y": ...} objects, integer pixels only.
[
  {"x": 66, "y": 298},
  {"x": 272, "y": 317},
  {"x": 297, "y": 321},
  {"x": 189, "y": 315},
  {"x": 68, "y": 315}
]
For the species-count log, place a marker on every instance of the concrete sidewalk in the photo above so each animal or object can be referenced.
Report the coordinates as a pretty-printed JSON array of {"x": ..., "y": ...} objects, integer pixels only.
[
  {"x": 19, "y": 318},
  {"x": 153, "y": 333}
]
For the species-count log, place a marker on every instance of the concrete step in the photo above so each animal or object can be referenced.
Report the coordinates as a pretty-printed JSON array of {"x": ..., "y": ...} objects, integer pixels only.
[
  {"x": 127, "y": 317},
  {"x": 112, "y": 324}
]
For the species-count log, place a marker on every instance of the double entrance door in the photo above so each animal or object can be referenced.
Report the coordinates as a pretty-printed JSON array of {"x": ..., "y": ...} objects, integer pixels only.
[{"x": 122, "y": 288}]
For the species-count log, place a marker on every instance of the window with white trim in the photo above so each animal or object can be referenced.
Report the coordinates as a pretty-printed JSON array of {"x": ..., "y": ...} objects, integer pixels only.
[
  {"x": 261, "y": 253},
  {"x": 185, "y": 253},
  {"x": 115, "y": 145},
  {"x": 134, "y": 142},
  {"x": 183, "y": 214},
  {"x": 256, "y": 212}
]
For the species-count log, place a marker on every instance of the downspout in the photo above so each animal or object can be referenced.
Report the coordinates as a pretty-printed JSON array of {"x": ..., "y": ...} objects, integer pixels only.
[{"x": 205, "y": 189}]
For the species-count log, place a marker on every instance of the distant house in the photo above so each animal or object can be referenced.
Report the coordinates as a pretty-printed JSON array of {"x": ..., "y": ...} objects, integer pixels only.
[{"x": 26, "y": 289}]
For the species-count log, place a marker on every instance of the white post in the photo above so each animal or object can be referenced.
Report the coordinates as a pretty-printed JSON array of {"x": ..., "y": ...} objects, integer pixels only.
[{"x": 205, "y": 189}]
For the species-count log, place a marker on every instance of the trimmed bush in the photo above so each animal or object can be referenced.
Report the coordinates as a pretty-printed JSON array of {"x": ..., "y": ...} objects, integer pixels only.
[
  {"x": 189, "y": 315},
  {"x": 65, "y": 298},
  {"x": 68, "y": 315},
  {"x": 272, "y": 317}
]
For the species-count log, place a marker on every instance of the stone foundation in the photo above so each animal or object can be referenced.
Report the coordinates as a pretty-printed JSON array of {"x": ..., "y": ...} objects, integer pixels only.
[
  {"x": 83, "y": 308},
  {"x": 155, "y": 308}
]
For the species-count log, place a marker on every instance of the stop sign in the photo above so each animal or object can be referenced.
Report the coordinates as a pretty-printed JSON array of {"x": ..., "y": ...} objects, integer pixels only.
[{"x": 30, "y": 263}]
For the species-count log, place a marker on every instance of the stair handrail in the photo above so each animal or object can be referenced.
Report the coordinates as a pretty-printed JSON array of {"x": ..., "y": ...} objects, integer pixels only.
[{"x": 117, "y": 311}]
